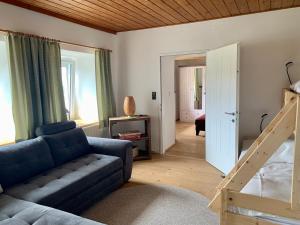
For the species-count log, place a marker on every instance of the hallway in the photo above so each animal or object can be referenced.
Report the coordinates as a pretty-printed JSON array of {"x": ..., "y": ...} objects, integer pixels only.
[{"x": 187, "y": 143}]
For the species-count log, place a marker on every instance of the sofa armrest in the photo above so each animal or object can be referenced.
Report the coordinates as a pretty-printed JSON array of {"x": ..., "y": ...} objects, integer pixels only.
[{"x": 119, "y": 148}]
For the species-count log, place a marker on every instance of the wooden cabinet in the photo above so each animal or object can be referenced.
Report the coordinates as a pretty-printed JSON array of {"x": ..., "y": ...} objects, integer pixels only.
[{"x": 144, "y": 152}]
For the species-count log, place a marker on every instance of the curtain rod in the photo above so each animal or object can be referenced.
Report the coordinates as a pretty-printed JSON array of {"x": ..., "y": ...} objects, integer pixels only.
[{"x": 62, "y": 42}]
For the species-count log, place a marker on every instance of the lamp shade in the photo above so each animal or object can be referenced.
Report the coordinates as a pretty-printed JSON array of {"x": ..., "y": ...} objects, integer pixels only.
[{"x": 129, "y": 106}]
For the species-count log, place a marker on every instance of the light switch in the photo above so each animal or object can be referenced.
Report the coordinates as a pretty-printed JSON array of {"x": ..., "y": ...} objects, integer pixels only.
[{"x": 153, "y": 95}]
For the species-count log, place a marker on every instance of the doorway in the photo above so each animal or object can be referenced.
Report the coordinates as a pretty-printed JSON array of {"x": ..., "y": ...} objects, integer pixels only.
[
  {"x": 221, "y": 105},
  {"x": 190, "y": 106},
  {"x": 187, "y": 97}
]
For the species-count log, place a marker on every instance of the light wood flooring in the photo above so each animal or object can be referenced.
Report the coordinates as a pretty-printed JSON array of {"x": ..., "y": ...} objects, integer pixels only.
[{"x": 183, "y": 165}]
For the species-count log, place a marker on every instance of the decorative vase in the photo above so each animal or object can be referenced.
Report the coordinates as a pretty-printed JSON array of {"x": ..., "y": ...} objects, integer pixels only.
[{"x": 129, "y": 106}]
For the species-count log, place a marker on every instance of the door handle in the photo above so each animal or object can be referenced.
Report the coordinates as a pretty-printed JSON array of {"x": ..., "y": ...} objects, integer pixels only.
[{"x": 228, "y": 113}]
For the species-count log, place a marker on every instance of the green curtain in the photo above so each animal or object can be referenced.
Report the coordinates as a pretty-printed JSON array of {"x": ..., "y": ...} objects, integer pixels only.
[
  {"x": 198, "y": 84},
  {"x": 37, "y": 91},
  {"x": 105, "y": 97}
]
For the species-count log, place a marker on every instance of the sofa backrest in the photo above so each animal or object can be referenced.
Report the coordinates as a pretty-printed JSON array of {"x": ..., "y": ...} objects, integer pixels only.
[
  {"x": 65, "y": 143},
  {"x": 55, "y": 128},
  {"x": 20, "y": 161}
]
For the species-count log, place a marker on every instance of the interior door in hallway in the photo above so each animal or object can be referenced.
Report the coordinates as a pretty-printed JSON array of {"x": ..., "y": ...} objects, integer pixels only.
[{"x": 222, "y": 107}]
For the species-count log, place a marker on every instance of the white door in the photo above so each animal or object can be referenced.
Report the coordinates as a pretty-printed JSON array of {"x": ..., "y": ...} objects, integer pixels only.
[
  {"x": 168, "y": 114},
  {"x": 222, "y": 107}
]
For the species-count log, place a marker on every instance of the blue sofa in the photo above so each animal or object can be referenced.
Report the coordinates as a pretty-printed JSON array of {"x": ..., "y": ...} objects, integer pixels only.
[{"x": 63, "y": 169}]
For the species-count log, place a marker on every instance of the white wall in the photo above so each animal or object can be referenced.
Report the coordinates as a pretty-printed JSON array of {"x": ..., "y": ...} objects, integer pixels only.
[
  {"x": 27, "y": 21},
  {"x": 267, "y": 41}
]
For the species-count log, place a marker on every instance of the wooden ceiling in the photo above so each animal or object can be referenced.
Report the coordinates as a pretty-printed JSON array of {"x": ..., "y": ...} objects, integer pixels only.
[{"x": 124, "y": 15}]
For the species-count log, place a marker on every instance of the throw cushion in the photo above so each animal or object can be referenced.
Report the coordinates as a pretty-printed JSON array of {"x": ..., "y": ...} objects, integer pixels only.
[
  {"x": 55, "y": 128},
  {"x": 68, "y": 145}
]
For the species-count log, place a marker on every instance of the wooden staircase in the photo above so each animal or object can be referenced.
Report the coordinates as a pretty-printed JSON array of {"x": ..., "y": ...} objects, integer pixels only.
[{"x": 228, "y": 193}]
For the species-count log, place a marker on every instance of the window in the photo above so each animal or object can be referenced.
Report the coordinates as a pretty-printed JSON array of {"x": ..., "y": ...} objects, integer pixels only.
[
  {"x": 79, "y": 83},
  {"x": 67, "y": 72},
  {"x": 7, "y": 128},
  {"x": 79, "y": 86}
]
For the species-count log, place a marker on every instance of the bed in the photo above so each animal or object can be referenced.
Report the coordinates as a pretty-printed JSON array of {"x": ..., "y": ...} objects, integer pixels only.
[
  {"x": 263, "y": 188},
  {"x": 273, "y": 180},
  {"x": 200, "y": 124}
]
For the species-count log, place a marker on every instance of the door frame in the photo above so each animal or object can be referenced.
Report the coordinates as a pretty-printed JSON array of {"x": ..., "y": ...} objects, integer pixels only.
[{"x": 178, "y": 53}]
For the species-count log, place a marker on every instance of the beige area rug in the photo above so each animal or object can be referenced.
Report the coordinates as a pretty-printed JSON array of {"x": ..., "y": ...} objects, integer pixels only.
[{"x": 153, "y": 205}]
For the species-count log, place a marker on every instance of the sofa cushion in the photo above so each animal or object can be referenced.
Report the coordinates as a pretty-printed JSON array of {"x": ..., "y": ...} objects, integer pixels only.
[
  {"x": 59, "y": 184},
  {"x": 92, "y": 195},
  {"x": 55, "y": 128},
  {"x": 17, "y": 212},
  {"x": 68, "y": 145},
  {"x": 23, "y": 160}
]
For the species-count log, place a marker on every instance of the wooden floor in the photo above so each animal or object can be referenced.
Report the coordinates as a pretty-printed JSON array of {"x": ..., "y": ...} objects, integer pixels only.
[
  {"x": 183, "y": 165},
  {"x": 187, "y": 143}
]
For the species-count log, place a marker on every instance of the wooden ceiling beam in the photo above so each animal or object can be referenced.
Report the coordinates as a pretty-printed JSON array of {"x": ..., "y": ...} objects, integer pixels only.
[
  {"x": 48, "y": 5},
  {"x": 275, "y": 4},
  {"x": 232, "y": 7},
  {"x": 92, "y": 14},
  {"x": 221, "y": 7},
  {"x": 161, "y": 4},
  {"x": 157, "y": 9},
  {"x": 100, "y": 12},
  {"x": 130, "y": 10},
  {"x": 265, "y": 5},
  {"x": 179, "y": 9},
  {"x": 254, "y": 5},
  {"x": 190, "y": 9},
  {"x": 137, "y": 11},
  {"x": 149, "y": 11},
  {"x": 243, "y": 6},
  {"x": 201, "y": 9},
  {"x": 118, "y": 10},
  {"x": 211, "y": 8},
  {"x": 296, "y": 3},
  {"x": 287, "y": 3},
  {"x": 67, "y": 17},
  {"x": 124, "y": 15}
]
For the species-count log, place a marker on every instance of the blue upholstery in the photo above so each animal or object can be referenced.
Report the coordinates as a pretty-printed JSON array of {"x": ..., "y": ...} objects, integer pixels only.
[
  {"x": 56, "y": 186},
  {"x": 62, "y": 169},
  {"x": 67, "y": 145},
  {"x": 119, "y": 148},
  {"x": 17, "y": 212},
  {"x": 55, "y": 128},
  {"x": 23, "y": 160},
  {"x": 91, "y": 195}
]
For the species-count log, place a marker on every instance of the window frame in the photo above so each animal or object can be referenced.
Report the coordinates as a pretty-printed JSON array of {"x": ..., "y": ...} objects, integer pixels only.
[
  {"x": 70, "y": 64},
  {"x": 9, "y": 139}
]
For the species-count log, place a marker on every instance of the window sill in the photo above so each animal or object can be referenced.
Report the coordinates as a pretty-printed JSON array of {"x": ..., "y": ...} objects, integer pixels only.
[
  {"x": 83, "y": 124},
  {"x": 79, "y": 123},
  {"x": 4, "y": 143}
]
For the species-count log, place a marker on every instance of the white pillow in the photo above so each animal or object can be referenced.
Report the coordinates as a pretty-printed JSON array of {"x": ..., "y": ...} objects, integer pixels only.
[
  {"x": 1, "y": 190},
  {"x": 296, "y": 86}
]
